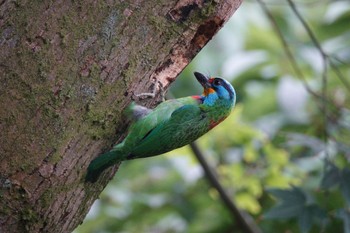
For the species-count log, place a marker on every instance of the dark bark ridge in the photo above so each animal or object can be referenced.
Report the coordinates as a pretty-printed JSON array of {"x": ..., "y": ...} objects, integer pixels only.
[{"x": 67, "y": 70}]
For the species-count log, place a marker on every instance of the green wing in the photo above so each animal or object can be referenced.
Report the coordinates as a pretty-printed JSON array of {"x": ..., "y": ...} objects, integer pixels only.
[
  {"x": 182, "y": 127},
  {"x": 148, "y": 133},
  {"x": 142, "y": 133}
]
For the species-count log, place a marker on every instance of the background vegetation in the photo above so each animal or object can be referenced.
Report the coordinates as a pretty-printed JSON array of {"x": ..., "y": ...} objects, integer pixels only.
[{"x": 282, "y": 156}]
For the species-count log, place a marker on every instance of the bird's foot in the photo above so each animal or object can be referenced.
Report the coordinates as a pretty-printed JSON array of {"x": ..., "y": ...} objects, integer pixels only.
[{"x": 156, "y": 85}]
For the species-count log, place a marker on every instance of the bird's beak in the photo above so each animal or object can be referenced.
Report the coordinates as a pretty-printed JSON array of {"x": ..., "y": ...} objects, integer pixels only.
[{"x": 204, "y": 81}]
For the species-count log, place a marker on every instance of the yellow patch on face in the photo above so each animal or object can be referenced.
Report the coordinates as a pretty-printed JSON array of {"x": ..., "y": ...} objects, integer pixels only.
[{"x": 208, "y": 91}]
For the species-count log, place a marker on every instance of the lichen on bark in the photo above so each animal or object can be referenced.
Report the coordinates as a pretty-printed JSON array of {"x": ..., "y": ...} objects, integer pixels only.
[{"x": 67, "y": 71}]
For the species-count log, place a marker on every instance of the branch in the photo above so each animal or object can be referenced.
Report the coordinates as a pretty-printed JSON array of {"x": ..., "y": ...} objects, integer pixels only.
[
  {"x": 325, "y": 67},
  {"x": 292, "y": 59},
  {"x": 245, "y": 221},
  {"x": 317, "y": 44},
  {"x": 286, "y": 48},
  {"x": 325, "y": 58}
]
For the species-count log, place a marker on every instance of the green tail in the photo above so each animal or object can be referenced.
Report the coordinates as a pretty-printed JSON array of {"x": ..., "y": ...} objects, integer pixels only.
[{"x": 102, "y": 162}]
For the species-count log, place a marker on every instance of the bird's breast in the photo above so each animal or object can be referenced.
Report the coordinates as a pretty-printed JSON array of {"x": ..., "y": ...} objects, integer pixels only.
[{"x": 214, "y": 123}]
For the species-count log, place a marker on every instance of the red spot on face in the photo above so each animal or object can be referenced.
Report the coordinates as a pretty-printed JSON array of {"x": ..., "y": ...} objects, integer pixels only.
[{"x": 198, "y": 98}]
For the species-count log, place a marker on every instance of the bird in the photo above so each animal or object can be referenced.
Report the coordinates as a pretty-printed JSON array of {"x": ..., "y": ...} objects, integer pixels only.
[{"x": 170, "y": 125}]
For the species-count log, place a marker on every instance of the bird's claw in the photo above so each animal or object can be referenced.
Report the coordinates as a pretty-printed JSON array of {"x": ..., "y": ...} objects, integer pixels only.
[{"x": 156, "y": 85}]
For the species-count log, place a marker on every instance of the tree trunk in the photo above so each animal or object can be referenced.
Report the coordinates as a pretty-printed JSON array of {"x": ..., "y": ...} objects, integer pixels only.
[{"x": 67, "y": 70}]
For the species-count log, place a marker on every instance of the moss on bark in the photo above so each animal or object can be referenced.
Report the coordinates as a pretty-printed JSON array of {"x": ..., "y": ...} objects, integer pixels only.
[{"x": 68, "y": 69}]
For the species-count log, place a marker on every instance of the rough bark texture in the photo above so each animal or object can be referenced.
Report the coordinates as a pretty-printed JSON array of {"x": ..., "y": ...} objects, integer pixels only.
[{"x": 67, "y": 70}]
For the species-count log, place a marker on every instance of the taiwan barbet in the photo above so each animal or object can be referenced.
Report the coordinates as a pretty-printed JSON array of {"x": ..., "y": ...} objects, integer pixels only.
[{"x": 172, "y": 124}]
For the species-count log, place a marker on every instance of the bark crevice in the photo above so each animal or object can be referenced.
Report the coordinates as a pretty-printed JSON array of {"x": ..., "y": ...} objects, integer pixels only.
[{"x": 67, "y": 71}]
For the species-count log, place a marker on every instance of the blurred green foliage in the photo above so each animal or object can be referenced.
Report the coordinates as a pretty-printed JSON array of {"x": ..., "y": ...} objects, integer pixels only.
[{"x": 283, "y": 154}]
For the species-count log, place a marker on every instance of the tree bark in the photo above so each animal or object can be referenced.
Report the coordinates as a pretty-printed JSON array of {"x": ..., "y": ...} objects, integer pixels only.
[{"x": 67, "y": 70}]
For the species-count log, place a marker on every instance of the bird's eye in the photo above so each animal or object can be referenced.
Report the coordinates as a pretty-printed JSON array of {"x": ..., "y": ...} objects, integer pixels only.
[{"x": 217, "y": 82}]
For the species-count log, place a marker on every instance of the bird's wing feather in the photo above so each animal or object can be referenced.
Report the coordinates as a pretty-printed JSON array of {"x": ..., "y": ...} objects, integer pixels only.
[
  {"x": 183, "y": 117},
  {"x": 141, "y": 130},
  {"x": 142, "y": 127}
]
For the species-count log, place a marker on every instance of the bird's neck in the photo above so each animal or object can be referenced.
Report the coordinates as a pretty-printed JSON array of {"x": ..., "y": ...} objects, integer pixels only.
[
  {"x": 210, "y": 100},
  {"x": 216, "y": 107},
  {"x": 212, "y": 103},
  {"x": 218, "y": 111}
]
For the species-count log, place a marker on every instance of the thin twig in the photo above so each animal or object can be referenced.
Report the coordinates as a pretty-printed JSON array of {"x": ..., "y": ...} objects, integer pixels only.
[
  {"x": 325, "y": 66},
  {"x": 322, "y": 105},
  {"x": 244, "y": 220},
  {"x": 287, "y": 50},
  {"x": 315, "y": 41},
  {"x": 307, "y": 28},
  {"x": 340, "y": 75}
]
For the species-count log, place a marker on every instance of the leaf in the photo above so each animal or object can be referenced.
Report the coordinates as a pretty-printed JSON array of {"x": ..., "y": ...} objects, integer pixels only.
[
  {"x": 347, "y": 223},
  {"x": 248, "y": 202},
  {"x": 310, "y": 215},
  {"x": 284, "y": 211},
  {"x": 275, "y": 156},
  {"x": 345, "y": 215},
  {"x": 305, "y": 220},
  {"x": 297, "y": 139},
  {"x": 292, "y": 203},
  {"x": 331, "y": 176},
  {"x": 294, "y": 195},
  {"x": 345, "y": 184}
]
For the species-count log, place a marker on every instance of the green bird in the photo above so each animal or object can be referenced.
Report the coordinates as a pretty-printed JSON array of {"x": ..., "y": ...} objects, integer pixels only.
[{"x": 172, "y": 124}]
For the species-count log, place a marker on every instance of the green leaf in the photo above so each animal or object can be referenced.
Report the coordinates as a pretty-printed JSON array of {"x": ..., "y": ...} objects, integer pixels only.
[
  {"x": 310, "y": 215},
  {"x": 305, "y": 220},
  {"x": 345, "y": 215},
  {"x": 345, "y": 184},
  {"x": 331, "y": 176},
  {"x": 291, "y": 204},
  {"x": 298, "y": 139},
  {"x": 347, "y": 223},
  {"x": 284, "y": 211},
  {"x": 294, "y": 195}
]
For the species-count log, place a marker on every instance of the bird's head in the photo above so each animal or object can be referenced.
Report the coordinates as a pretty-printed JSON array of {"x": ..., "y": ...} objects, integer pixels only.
[{"x": 216, "y": 89}]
